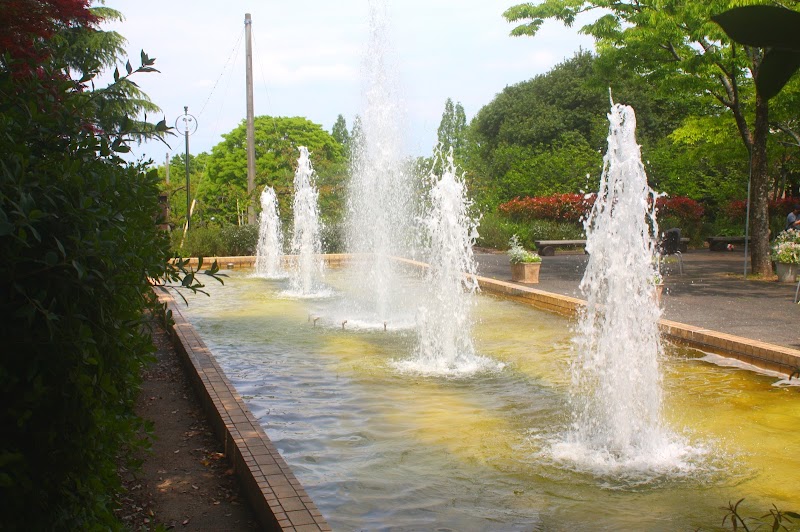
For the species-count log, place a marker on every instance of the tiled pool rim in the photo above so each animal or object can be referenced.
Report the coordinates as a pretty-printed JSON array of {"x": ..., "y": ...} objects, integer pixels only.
[{"x": 276, "y": 496}]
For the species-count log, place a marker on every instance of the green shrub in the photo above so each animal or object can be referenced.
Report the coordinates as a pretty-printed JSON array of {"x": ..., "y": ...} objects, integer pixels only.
[
  {"x": 693, "y": 230},
  {"x": 199, "y": 242},
  {"x": 495, "y": 231},
  {"x": 79, "y": 242},
  {"x": 333, "y": 238},
  {"x": 228, "y": 241},
  {"x": 242, "y": 240},
  {"x": 238, "y": 240}
]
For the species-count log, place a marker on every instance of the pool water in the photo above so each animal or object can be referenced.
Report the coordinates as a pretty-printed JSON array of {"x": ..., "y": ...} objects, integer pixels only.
[{"x": 378, "y": 448}]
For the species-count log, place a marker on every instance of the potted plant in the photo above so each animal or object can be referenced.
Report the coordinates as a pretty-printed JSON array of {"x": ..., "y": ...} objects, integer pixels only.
[
  {"x": 658, "y": 284},
  {"x": 786, "y": 254},
  {"x": 524, "y": 264}
]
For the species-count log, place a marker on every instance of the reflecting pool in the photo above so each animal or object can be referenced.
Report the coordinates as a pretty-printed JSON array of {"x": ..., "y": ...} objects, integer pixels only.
[{"x": 378, "y": 445}]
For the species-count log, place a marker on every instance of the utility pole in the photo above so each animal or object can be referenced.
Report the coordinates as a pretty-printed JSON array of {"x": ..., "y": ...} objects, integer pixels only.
[
  {"x": 167, "y": 168},
  {"x": 251, "y": 148}
]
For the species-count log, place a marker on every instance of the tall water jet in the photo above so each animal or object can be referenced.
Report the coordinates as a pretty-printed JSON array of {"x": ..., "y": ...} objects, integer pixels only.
[
  {"x": 306, "y": 241},
  {"x": 269, "y": 251},
  {"x": 444, "y": 319},
  {"x": 616, "y": 377},
  {"x": 378, "y": 214}
]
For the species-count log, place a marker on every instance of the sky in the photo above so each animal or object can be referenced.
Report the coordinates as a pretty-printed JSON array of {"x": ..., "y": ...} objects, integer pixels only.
[{"x": 307, "y": 57}]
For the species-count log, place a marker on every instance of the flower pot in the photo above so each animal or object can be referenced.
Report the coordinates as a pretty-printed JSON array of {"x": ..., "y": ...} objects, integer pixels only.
[
  {"x": 787, "y": 273},
  {"x": 657, "y": 292},
  {"x": 525, "y": 272}
]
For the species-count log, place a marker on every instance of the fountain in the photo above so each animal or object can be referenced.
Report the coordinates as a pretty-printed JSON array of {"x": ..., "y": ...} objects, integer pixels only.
[
  {"x": 616, "y": 376},
  {"x": 377, "y": 448},
  {"x": 306, "y": 242},
  {"x": 378, "y": 212},
  {"x": 444, "y": 320},
  {"x": 269, "y": 251}
]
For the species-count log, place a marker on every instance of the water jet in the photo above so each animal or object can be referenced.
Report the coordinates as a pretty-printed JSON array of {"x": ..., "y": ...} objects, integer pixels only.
[{"x": 269, "y": 250}]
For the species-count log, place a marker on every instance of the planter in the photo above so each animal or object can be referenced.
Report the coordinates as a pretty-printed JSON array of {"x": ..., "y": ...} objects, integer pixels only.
[
  {"x": 657, "y": 292},
  {"x": 787, "y": 273},
  {"x": 525, "y": 272}
]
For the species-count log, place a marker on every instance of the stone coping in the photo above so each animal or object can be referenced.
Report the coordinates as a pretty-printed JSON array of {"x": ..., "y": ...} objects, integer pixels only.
[{"x": 278, "y": 499}]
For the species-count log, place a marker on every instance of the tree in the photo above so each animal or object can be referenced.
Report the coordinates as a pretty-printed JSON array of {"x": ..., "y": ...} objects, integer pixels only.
[
  {"x": 452, "y": 132},
  {"x": 276, "y": 144},
  {"x": 356, "y": 135},
  {"x": 176, "y": 189},
  {"x": 26, "y": 26},
  {"x": 540, "y": 136},
  {"x": 340, "y": 134},
  {"x": 33, "y": 30},
  {"x": 773, "y": 28},
  {"x": 675, "y": 45}
]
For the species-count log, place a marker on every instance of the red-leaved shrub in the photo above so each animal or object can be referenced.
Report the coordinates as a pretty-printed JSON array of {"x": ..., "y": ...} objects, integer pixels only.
[
  {"x": 558, "y": 208},
  {"x": 736, "y": 209},
  {"x": 680, "y": 207}
]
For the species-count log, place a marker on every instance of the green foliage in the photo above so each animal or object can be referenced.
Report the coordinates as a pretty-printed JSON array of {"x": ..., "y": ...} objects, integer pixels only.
[
  {"x": 495, "y": 231},
  {"x": 242, "y": 240},
  {"x": 770, "y": 27},
  {"x": 277, "y": 140},
  {"x": 518, "y": 254},
  {"x": 676, "y": 48},
  {"x": 79, "y": 243},
  {"x": 341, "y": 135},
  {"x": 778, "y": 519},
  {"x": 538, "y": 111},
  {"x": 546, "y": 135},
  {"x": 176, "y": 189},
  {"x": 701, "y": 159},
  {"x": 452, "y": 132},
  {"x": 215, "y": 241},
  {"x": 86, "y": 51}
]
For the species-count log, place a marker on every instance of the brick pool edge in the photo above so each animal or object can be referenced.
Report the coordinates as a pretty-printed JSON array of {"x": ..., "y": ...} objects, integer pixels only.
[{"x": 276, "y": 496}]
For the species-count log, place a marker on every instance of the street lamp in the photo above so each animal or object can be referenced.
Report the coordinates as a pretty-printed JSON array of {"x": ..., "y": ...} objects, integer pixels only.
[{"x": 187, "y": 124}]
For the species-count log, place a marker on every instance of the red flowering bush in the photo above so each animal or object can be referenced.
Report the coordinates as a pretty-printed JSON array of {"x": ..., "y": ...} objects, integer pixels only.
[
  {"x": 737, "y": 209},
  {"x": 557, "y": 208},
  {"x": 680, "y": 207}
]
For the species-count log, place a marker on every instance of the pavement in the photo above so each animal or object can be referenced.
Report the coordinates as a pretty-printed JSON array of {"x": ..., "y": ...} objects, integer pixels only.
[{"x": 711, "y": 293}]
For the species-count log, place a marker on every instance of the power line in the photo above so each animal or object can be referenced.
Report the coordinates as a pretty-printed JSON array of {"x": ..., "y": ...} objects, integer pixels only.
[
  {"x": 266, "y": 88},
  {"x": 227, "y": 62}
]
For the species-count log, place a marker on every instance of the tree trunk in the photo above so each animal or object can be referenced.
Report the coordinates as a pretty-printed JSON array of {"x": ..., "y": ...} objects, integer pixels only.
[{"x": 759, "y": 188}]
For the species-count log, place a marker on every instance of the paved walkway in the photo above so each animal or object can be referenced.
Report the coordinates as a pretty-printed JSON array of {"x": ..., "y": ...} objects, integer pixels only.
[{"x": 711, "y": 293}]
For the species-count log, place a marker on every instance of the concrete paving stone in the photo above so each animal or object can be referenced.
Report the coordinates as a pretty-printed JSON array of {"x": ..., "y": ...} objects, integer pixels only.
[{"x": 300, "y": 517}]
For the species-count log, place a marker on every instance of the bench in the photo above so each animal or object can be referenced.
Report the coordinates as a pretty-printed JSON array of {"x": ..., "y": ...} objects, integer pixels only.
[
  {"x": 720, "y": 243},
  {"x": 547, "y": 248}
]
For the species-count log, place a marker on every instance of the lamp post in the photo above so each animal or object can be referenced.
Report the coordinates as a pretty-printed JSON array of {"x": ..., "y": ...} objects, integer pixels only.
[{"x": 187, "y": 124}]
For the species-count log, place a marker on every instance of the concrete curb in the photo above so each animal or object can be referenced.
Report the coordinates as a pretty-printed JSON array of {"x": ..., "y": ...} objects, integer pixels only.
[{"x": 278, "y": 499}]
